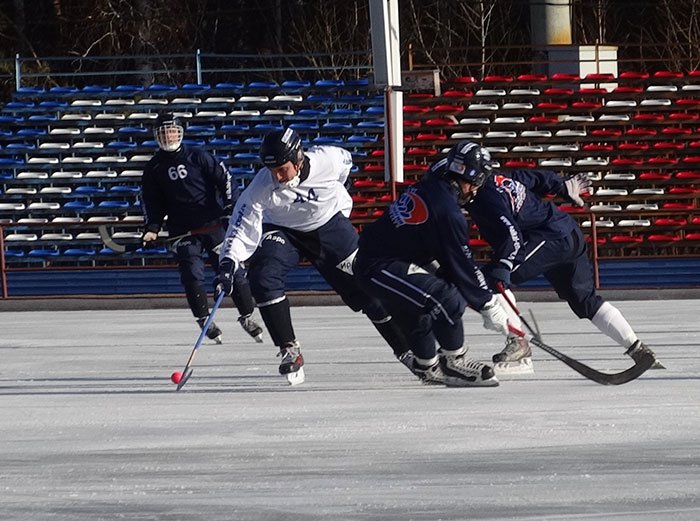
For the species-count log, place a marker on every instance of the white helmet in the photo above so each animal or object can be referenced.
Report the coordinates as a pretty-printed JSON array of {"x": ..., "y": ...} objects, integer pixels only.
[{"x": 168, "y": 132}]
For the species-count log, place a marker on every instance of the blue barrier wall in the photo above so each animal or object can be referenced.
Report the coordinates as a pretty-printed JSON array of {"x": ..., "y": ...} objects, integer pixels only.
[{"x": 613, "y": 274}]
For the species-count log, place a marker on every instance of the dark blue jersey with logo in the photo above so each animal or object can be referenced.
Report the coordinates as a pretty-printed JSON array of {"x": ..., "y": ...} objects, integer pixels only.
[
  {"x": 512, "y": 208},
  {"x": 426, "y": 224},
  {"x": 188, "y": 186}
]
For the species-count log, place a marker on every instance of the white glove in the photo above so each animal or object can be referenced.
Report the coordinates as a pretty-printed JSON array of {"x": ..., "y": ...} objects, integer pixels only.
[
  {"x": 577, "y": 185},
  {"x": 149, "y": 237},
  {"x": 495, "y": 317}
]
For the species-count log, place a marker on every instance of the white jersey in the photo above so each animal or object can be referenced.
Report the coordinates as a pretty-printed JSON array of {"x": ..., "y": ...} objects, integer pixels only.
[{"x": 306, "y": 207}]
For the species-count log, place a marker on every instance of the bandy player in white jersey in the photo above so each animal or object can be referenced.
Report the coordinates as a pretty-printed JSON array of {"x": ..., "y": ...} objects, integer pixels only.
[{"x": 297, "y": 206}]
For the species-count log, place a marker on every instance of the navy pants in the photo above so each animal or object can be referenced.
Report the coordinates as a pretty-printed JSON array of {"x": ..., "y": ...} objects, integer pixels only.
[
  {"x": 565, "y": 264},
  {"x": 430, "y": 308},
  {"x": 192, "y": 254}
]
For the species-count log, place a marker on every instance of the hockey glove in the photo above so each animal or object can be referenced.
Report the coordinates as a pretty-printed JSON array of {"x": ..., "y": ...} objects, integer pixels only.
[
  {"x": 497, "y": 272},
  {"x": 225, "y": 280},
  {"x": 149, "y": 237},
  {"x": 575, "y": 186},
  {"x": 495, "y": 317}
]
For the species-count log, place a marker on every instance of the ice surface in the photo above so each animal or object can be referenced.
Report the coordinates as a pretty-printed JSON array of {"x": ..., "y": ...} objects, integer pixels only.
[{"x": 92, "y": 428}]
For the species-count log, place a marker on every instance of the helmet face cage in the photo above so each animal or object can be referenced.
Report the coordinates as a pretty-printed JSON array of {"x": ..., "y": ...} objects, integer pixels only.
[
  {"x": 281, "y": 146},
  {"x": 469, "y": 162},
  {"x": 169, "y": 133}
]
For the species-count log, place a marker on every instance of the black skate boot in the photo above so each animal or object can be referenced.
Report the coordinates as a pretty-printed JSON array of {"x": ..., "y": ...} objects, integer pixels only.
[
  {"x": 251, "y": 327},
  {"x": 213, "y": 333},
  {"x": 407, "y": 360},
  {"x": 461, "y": 371},
  {"x": 516, "y": 357},
  {"x": 638, "y": 349},
  {"x": 429, "y": 374},
  {"x": 292, "y": 364}
]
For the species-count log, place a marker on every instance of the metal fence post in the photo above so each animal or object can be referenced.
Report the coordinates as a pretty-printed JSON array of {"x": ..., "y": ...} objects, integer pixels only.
[
  {"x": 198, "y": 66},
  {"x": 18, "y": 72}
]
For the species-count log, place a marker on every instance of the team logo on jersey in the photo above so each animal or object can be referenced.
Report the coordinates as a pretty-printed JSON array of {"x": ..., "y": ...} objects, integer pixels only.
[
  {"x": 515, "y": 191},
  {"x": 410, "y": 208}
]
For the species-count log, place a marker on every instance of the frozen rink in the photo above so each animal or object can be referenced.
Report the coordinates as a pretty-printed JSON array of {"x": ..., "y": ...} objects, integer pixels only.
[{"x": 92, "y": 428}]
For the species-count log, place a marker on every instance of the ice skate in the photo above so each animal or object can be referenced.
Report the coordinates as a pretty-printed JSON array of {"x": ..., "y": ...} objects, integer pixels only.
[
  {"x": 461, "y": 371},
  {"x": 516, "y": 357},
  {"x": 428, "y": 374},
  {"x": 637, "y": 350},
  {"x": 407, "y": 359},
  {"x": 291, "y": 366},
  {"x": 213, "y": 333},
  {"x": 251, "y": 327}
]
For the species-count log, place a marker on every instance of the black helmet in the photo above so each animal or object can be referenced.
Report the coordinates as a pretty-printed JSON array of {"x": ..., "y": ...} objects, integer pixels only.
[
  {"x": 280, "y": 146},
  {"x": 168, "y": 132},
  {"x": 467, "y": 161}
]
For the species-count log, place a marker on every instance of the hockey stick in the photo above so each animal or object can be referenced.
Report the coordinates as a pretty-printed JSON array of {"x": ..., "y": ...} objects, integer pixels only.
[
  {"x": 187, "y": 371},
  {"x": 645, "y": 362},
  {"x": 117, "y": 247}
]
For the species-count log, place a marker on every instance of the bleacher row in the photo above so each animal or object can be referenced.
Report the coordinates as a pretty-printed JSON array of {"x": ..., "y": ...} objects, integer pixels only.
[{"x": 72, "y": 158}]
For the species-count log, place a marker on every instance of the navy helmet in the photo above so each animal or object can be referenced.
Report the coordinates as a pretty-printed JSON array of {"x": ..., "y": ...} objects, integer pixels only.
[
  {"x": 467, "y": 161},
  {"x": 280, "y": 146}
]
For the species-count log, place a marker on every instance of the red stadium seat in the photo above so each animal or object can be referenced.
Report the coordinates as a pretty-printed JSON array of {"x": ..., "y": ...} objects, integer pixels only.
[
  {"x": 457, "y": 94},
  {"x": 669, "y": 145},
  {"x": 633, "y": 75},
  {"x": 668, "y": 74},
  {"x": 423, "y": 136},
  {"x": 592, "y": 90},
  {"x": 497, "y": 79},
  {"x": 654, "y": 176},
  {"x": 690, "y": 102},
  {"x": 561, "y": 76},
  {"x": 633, "y": 146},
  {"x": 627, "y": 89},
  {"x": 670, "y": 221},
  {"x": 626, "y": 239},
  {"x": 599, "y": 76},
  {"x": 663, "y": 237},
  {"x": 677, "y": 206},
  {"x": 688, "y": 174},
  {"x": 464, "y": 80},
  {"x": 558, "y": 91},
  {"x": 532, "y": 77},
  {"x": 692, "y": 236},
  {"x": 512, "y": 163}
]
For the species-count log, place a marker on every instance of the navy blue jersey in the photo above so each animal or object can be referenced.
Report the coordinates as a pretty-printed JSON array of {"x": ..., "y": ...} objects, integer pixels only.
[
  {"x": 426, "y": 224},
  {"x": 189, "y": 186},
  {"x": 511, "y": 208}
]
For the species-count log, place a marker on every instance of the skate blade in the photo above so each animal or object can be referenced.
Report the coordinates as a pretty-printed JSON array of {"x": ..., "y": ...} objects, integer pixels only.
[
  {"x": 217, "y": 340},
  {"x": 451, "y": 381},
  {"x": 295, "y": 378},
  {"x": 259, "y": 338},
  {"x": 523, "y": 366},
  {"x": 657, "y": 365}
]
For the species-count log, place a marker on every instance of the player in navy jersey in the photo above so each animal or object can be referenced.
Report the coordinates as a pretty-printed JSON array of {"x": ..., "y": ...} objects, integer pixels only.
[
  {"x": 531, "y": 236},
  {"x": 297, "y": 206},
  {"x": 193, "y": 190},
  {"x": 424, "y": 227}
]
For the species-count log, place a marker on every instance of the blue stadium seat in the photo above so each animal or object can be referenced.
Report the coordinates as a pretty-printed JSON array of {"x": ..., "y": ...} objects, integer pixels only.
[
  {"x": 237, "y": 127},
  {"x": 78, "y": 252},
  {"x": 263, "y": 85},
  {"x": 329, "y": 84},
  {"x": 64, "y": 90},
  {"x": 295, "y": 84},
  {"x": 304, "y": 126},
  {"x": 118, "y": 205},
  {"x": 31, "y": 132},
  {"x": 196, "y": 87},
  {"x": 52, "y": 104},
  {"x": 161, "y": 87},
  {"x": 128, "y": 88},
  {"x": 224, "y": 142},
  {"x": 78, "y": 206},
  {"x": 229, "y": 86},
  {"x": 43, "y": 252},
  {"x": 97, "y": 89}
]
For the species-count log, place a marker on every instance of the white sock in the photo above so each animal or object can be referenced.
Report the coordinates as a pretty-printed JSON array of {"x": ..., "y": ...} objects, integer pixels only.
[
  {"x": 513, "y": 318},
  {"x": 426, "y": 362},
  {"x": 611, "y": 322}
]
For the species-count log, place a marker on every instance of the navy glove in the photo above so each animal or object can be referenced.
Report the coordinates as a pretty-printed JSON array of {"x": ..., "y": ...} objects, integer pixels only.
[
  {"x": 225, "y": 277},
  {"x": 497, "y": 273}
]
